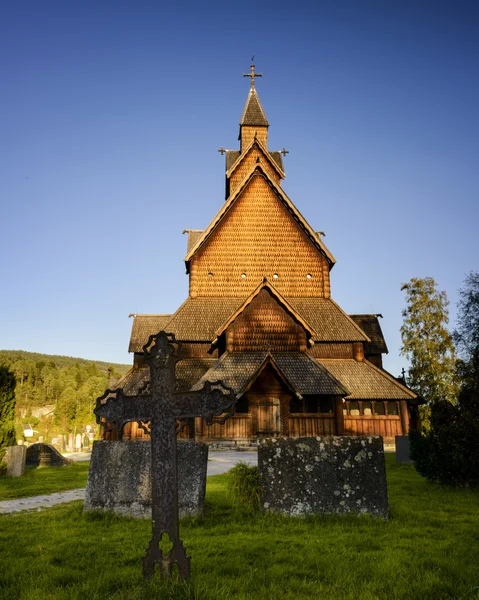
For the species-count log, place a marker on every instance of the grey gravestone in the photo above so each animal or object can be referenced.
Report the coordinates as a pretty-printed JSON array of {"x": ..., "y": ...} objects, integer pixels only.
[
  {"x": 37, "y": 453},
  {"x": 78, "y": 442},
  {"x": 15, "y": 457},
  {"x": 402, "y": 450},
  {"x": 331, "y": 474},
  {"x": 119, "y": 479}
]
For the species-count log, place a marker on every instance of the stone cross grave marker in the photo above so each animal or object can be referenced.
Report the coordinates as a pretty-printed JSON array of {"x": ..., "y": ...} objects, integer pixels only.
[{"x": 164, "y": 408}]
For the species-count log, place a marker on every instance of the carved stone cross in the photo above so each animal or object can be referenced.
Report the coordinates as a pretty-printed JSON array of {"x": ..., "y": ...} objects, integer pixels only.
[{"x": 163, "y": 408}]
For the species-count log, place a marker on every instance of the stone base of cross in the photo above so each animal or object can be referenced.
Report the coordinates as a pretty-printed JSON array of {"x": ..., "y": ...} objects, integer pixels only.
[{"x": 163, "y": 408}]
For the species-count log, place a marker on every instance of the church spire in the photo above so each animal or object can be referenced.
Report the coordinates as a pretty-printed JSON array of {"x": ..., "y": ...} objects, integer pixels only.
[{"x": 254, "y": 123}]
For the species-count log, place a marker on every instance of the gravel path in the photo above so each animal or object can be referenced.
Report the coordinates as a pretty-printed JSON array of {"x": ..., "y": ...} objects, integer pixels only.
[{"x": 218, "y": 463}]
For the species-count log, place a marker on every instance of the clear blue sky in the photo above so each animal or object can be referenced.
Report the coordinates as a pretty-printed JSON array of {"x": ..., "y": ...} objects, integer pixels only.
[{"x": 111, "y": 114}]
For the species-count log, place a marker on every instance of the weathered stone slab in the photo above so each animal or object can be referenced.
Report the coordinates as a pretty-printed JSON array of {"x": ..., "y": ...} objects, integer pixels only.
[
  {"x": 15, "y": 458},
  {"x": 403, "y": 450},
  {"x": 331, "y": 474},
  {"x": 45, "y": 455},
  {"x": 119, "y": 479}
]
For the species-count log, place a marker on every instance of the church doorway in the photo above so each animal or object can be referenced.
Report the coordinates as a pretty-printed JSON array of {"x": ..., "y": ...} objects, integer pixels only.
[{"x": 269, "y": 417}]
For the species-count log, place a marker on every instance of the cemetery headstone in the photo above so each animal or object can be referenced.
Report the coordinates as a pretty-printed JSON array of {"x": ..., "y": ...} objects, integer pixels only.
[
  {"x": 36, "y": 454},
  {"x": 70, "y": 442},
  {"x": 164, "y": 408},
  {"x": 403, "y": 450},
  {"x": 331, "y": 474},
  {"x": 119, "y": 479},
  {"x": 15, "y": 458},
  {"x": 78, "y": 441}
]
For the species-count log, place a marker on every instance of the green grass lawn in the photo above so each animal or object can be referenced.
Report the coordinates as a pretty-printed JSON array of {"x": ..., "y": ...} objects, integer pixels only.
[
  {"x": 44, "y": 480},
  {"x": 427, "y": 550}
]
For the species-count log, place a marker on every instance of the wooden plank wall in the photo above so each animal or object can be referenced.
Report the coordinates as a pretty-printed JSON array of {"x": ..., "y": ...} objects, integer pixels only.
[
  {"x": 387, "y": 426},
  {"x": 236, "y": 427},
  {"x": 310, "y": 425}
]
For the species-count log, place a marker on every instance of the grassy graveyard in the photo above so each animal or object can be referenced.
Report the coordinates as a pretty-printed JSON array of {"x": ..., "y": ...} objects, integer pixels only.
[
  {"x": 44, "y": 480},
  {"x": 427, "y": 550}
]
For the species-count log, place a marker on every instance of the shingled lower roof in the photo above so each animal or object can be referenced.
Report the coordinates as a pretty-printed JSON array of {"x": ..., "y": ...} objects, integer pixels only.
[
  {"x": 143, "y": 327},
  {"x": 365, "y": 381},
  {"x": 371, "y": 327},
  {"x": 238, "y": 370},
  {"x": 187, "y": 373},
  {"x": 198, "y": 319},
  {"x": 328, "y": 320},
  {"x": 134, "y": 381}
]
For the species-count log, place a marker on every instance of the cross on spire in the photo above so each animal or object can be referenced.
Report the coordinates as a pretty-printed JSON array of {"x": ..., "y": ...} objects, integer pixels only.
[
  {"x": 284, "y": 152},
  {"x": 252, "y": 74}
]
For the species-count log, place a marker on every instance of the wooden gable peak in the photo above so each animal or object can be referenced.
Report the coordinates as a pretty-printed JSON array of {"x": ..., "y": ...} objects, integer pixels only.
[
  {"x": 266, "y": 285},
  {"x": 255, "y": 142},
  {"x": 256, "y": 171}
]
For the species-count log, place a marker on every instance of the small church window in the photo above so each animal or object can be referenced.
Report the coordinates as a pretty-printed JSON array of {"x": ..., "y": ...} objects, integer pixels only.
[
  {"x": 392, "y": 408},
  {"x": 243, "y": 275},
  {"x": 326, "y": 406},
  {"x": 242, "y": 405},
  {"x": 309, "y": 276},
  {"x": 210, "y": 274},
  {"x": 275, "y": 276},
  {"x": 295, "y": 405}
]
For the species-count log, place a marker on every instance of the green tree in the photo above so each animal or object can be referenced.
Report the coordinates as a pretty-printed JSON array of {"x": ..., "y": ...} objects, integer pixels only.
[
  {"x": 7, "y": 411},
  {"x": 427, "y": 343},
  {"x": 466, "y": 334}
]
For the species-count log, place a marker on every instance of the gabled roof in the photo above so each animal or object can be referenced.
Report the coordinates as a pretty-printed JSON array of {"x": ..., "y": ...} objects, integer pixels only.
[
  {"x": 233, "y": 155},
  {"x": 371, "y": 327},
  {"x": 265, "y": 284},
  {"x": 253, "y": 113},
  {"x": 255, "y": 142},
  {"x": 198, "y": 320},
  {"x": 366, "y": 381},
  {"x": 143, "y": 327},
  {"x": 258, "y": 171},
  {"x": 239, "y": 370},
  {"x": 329, "y": 320}
]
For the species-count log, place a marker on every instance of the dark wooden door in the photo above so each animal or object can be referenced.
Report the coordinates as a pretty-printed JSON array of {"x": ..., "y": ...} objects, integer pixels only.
[{"x": 269, "y": 421}]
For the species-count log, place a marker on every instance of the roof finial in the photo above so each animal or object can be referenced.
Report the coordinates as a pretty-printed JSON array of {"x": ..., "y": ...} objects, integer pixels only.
[{"x": 252, "y": 74}]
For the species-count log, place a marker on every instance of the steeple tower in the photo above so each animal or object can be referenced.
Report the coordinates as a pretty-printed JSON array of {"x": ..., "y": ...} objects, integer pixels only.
[{"x": 254, "y": 123}]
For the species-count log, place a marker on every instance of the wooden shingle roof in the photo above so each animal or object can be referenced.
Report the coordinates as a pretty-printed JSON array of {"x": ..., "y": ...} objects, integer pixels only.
[
  {"x": 275, "y": 163},
  {"x": 328, "y": 320},
  {"x": 365, "y": 381},
  {"x": 238, "y": 370},
  {"x": 193, "y": 236},
  {"x": 257, "y": 171},
  {"x": 233, "y": 155},
  {"x": 143, "y": 327},
  {"x": 253, "y": 113},
  {"x": 371, "y": 327},
  {"x": 198, "y": 320}
]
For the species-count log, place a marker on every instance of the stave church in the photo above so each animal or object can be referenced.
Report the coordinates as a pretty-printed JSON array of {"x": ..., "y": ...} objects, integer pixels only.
[{"x": 260, "y": 318}]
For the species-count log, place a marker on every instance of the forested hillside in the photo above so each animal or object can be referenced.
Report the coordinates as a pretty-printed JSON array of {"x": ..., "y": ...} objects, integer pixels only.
[{"x": 56, "y": 394}]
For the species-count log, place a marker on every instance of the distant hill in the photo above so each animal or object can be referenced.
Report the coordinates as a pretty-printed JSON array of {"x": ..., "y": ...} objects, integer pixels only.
[
  {"x": 57, "y": 394},
  {"x": 60, "y": 361}
]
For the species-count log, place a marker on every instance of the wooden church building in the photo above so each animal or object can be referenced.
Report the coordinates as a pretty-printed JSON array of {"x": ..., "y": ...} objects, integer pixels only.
[{"x": 259, "y": 317}]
